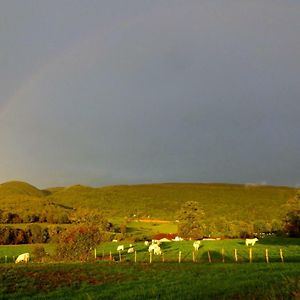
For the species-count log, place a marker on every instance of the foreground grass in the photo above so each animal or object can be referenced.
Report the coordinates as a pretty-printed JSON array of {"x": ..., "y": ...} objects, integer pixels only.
[{"x": 102, "y": 280}]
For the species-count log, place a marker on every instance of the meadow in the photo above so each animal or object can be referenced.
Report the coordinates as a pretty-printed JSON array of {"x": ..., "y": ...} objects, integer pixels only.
[{"x": 163, "y": 278}]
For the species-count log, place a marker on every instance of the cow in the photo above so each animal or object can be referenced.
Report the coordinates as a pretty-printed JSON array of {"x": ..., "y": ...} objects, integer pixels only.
[
  {"x": 130, "y": 250},
  {"x": 146, "y": 243},
  {"x": 251, "y": 241},
  {"x": 196, "y": 245},
  {"x": 157, "y": 251},
  {"x": 22, "y": 258},
  {"x": 120, "y": 248}
]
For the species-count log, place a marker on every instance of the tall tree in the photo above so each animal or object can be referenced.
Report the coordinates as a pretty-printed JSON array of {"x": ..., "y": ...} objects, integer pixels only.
[
  {"x": 191, "y": 220},
  {"x": 292, "y": 218}
]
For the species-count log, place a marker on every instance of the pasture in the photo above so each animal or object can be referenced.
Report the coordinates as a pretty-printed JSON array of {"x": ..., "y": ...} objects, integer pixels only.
[{"x": 168, "y": 279}]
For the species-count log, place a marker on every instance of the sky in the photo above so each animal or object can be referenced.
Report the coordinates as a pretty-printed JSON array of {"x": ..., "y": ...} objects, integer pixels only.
[{"x": 103, "y": 92}]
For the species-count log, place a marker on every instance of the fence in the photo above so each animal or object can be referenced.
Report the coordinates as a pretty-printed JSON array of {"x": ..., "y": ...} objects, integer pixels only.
[{"x": 210, "y": 256}]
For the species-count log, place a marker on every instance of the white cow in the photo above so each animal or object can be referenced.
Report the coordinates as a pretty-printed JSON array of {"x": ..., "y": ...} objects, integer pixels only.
[
  {"x": 196, "y": 245},
  {"x": 23, "y": 258},
  {"x": 157, "y": 251},
  {"x": 152, "y": 247},
  {"x": 251, "y": 241},
  {"x": 146, "y": 243},
  {"x": 130, "y": 250},
  {"x": 120, "y": 248}
]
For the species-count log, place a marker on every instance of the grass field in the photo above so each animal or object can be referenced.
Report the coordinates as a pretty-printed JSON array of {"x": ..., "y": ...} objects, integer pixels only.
[
  {"x": 103, "y": 279},
  {"x": 155, "y": 281}
]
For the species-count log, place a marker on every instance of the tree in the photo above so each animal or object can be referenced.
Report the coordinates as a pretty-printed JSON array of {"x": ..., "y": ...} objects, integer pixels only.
[
  {"x": 292, "y": 223},
  {"x": 190, "y": 219},
  {"x": 76, "y": 242},
  {"x": 292, "y": 218}
]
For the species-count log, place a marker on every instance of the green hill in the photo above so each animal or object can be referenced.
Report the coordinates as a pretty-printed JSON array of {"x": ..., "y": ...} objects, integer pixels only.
[
  {"x": 19, "y": 188},
  {"x": 237, "y": 202},
  {"x": 159, "y": 201}
]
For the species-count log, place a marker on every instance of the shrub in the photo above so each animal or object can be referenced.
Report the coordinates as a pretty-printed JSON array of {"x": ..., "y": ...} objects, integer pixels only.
[
  {"x": 77, "y": 242},
  {"x": 39, "y": 253}
]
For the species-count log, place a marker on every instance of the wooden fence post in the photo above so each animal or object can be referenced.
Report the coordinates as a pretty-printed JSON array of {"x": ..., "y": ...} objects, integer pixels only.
[
  {"x": 267, "y": 256},
  {"x": 209, "y": 257},
  {"x": 250, "y": 254},
  {"x": 163, "y": 257},
  {"x": 150, "y": 257},
  {"x": 135, "y": 256},
  {"x": 194, "y": 256},
  {"x": 95, "y": 253},
  {"x": 120, "y": 256},
  {"x": 110, "y": 256},
  {"x": 281, "y": 255},
  {"x": 235, "y": 255},
  {"x": 223, "y": 255},
  {"x": 179, "y": 257}
]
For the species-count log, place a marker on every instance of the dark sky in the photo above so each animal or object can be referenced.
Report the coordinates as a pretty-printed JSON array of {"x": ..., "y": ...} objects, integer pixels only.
[{"x": 117, "y": 92}]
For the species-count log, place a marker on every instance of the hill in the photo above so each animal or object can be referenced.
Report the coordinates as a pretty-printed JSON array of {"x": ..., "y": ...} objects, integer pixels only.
[
  {"x": 160, "y": 201},
  {"x": 19, "y": 188},
  {"x": 237, "y": 202}
]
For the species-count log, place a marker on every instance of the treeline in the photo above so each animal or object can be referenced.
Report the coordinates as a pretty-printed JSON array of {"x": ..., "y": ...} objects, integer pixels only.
[
  {"x": 238, "y": 229},
  {"x": 33, "y": 233},
  {"x": 15, "y": 218}
]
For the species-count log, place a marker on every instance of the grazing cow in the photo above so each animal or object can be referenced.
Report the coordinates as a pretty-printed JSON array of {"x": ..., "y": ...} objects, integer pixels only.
[
  {"x": 120, "y": 248},
  {"x": 157, "y": 251},
  {"x": 23, "y": 258},
  {"x": 130, "y": 250},
  {"x": 196, "y": 245},
  {"x": 251, "y": 241},
  {"x": 152, "y": 247},
  {"x": 146, "y": 243}
]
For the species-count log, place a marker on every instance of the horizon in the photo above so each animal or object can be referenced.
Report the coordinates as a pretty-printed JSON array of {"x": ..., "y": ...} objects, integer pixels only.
[{"x": 248, "y": 184}]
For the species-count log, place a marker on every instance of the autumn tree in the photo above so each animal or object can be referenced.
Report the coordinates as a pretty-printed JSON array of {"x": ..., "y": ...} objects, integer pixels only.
[
  {"x": 77, "y": 242},
  {"x": 191, "y": 220},
  {"x": 292, "y": 218}
]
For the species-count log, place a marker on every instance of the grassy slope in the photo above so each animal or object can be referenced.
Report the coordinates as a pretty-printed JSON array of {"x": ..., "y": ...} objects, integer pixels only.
[
  {"x": 163, "y": 200},
  {"x": 156, "y": 281},
  {"x": 155, "y": 200},
  {"x": 168, "y": 280}
]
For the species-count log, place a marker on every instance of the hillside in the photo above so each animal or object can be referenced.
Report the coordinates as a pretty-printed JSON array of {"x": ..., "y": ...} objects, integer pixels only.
[
  {"x": 19, "y": 188},
  {"x": 241, "y": 202},
  {"x": 161, "y": 201}
]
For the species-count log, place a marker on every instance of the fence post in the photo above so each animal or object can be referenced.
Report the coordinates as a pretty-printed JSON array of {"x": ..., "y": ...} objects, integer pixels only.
[
  {"x": 120, "y": 256},
  {"x": 223, "y": 255},
  {"x": 110, "y": 256},
  {"x": 179, "y": 257},
  {"x": 95, "y": 253},
  {"x": 209, "y": 257},
  {"x": 150, "y": 257},
  {"x": 103, "y": 255},
  {"x": 163, "y": 257},
  {"x": 281, "y": 255},
  {"x": 135, "y": 256},
  {"x": 194, "y": 256},
  {"x": 267, "y": 256},
  {"x": 250, "y": 254},
  {"x": 235, "y": 255}
]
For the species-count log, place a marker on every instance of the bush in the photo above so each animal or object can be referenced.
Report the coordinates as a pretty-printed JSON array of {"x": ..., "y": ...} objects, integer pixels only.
[
  {"x": 39, "y": 253},
  {"x": 77, "y": 242}
]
